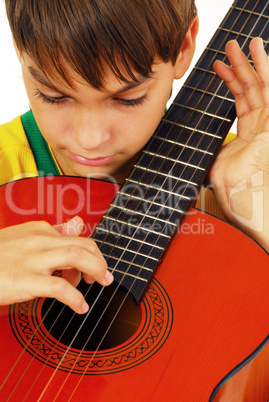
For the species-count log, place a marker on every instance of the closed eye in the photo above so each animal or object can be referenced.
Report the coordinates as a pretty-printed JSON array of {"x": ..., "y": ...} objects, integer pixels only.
[
  {"x": 132, "y": 102},
  {"x": 50, "y": 99}
]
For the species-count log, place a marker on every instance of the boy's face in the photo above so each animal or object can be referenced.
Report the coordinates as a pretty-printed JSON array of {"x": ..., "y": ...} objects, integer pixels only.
[{"x": 98, "y": 132}]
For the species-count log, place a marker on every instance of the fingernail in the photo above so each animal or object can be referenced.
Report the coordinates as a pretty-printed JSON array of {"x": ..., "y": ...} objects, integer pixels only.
[
  {"x": 75, "y": 217},
  {"x": 261, "y": 42},
  {"x": 84, "y": 308},
  {"x": 109, "y": 277}
]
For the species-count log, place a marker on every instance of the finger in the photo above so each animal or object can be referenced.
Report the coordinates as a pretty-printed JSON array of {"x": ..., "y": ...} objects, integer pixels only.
[
  {"x": 74, "y": 227},
  {"x": 71, "y": 275},
  {"x": 261, "y": 62},
  {"x": 228, "y": 75},
  {"x": 245, "y": 74},
  {"x": 60, "y": 289},
  {"x": 92, "y": 264},
  {"x": 43, "y": 237}
]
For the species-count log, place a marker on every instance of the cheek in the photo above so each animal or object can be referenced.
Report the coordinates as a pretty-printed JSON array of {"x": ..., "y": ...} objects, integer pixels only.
[
  {"x": 141, "y": 134},
  {"x": 52, "y": 124},
  {"x": 151, "y": 119}
]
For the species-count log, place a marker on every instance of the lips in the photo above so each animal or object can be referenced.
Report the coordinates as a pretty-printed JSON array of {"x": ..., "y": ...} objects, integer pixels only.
[{"x": 101, "y": 161}]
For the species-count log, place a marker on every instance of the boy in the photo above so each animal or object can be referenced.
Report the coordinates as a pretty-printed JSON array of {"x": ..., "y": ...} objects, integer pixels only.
[{"x": 94, "y": 72}]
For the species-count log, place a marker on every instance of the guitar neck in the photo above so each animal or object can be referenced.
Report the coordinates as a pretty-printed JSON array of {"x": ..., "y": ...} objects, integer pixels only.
[{"x": 163, "y": 184}]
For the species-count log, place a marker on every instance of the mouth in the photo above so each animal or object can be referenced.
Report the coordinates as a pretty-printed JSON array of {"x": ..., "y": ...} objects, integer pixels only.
[{"x": 100, "y": 161}]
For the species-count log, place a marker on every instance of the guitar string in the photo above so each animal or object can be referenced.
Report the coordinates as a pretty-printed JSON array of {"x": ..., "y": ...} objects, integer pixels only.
[
  {"x": 85, "y": 370},
  {"x": 71, "y": 345},
  {"x": 78, "y": 382},
  {"x": 40, "y": 346},
  {"x": 137, "y": 182},
  {"x": 30, "y": 341},
  {"x": 125, "y": 194}
]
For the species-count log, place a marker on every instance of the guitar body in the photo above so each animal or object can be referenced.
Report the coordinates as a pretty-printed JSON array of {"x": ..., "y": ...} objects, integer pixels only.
[{"x": 204, "y": 312}]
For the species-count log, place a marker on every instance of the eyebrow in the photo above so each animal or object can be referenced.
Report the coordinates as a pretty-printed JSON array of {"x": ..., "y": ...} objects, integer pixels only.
[
  {"x": 132, "y": 85},
  {"x": 39, "y": 77}
]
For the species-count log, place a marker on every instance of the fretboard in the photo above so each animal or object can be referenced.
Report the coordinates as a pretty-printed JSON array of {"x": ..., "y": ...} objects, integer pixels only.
[{"x": 165, "y": 181}]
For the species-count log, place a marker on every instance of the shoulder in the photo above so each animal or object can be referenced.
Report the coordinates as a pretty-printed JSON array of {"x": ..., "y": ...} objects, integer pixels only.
[
  {"x": 12, "y": 133},
  {"x": 16, "y": 157}
]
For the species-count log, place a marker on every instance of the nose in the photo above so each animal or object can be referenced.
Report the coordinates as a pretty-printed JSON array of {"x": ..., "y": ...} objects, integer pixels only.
[{"x": 92, "y": 128}]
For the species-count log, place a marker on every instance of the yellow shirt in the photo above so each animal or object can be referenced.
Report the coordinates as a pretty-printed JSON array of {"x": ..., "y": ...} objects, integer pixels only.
[{"x": 16, "y": 157}]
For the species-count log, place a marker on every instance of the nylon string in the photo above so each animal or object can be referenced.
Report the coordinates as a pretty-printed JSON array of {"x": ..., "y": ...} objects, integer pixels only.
[{"x": 125, "y": 248}]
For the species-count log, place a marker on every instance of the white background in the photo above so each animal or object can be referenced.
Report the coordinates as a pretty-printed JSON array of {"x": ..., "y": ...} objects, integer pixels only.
[{"x": 13, "y": 99}]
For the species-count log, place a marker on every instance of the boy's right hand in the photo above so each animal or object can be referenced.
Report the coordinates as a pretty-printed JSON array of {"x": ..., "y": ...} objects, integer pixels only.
[{"x": 32, "y": 251}]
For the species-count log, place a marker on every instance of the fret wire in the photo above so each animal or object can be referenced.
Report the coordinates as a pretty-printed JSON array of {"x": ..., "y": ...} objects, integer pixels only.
[
  {"x": 218, "y": 52},
  {"x": 130, "y": 238},
  {"x": 250, "y": 12},
  {"x": 206, "y": 133},
  {"x": 236, "y": 33},
  {"x": 192, "y": 129},
  {"x": 124, "y": 274},
  {"x": 143, "y": 268},
  {"x": 205, "y": 71},
  {"x": 200, "y": 111},
  {"x": 200, "y": 69},
  {"x": 156, "y": 188},
  {"x": 138, "y": 227},
  {"x": 234, "y": 8},
  {"x": 221, "y": 53},
  {"x": 129, "y": 275},
  {"x": 175, "y": 160},
  {"x": 208, "y": 93},
  {"x": 129, "y": 250},
  {"x": 166, "y": 175},
  {"x": 154, "y": 203},
  {"x": 149, "y": 216},
  {"x": 183, "y": 145}
]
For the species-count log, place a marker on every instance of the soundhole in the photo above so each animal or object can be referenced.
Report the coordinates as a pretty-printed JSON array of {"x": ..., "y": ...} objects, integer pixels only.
[{"x": 112, "y": 319}]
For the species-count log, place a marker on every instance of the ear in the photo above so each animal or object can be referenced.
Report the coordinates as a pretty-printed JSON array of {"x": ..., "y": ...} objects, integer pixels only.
[{"x": 187, "y": 49}]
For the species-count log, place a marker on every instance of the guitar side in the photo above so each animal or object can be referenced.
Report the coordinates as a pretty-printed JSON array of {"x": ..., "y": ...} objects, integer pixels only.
[
  {"x": 205, "y": 312},
  {"x": 249, "y": 381}
]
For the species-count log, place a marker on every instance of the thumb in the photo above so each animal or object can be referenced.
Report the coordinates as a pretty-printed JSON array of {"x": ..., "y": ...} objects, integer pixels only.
[{"x": 73, "y": 227}]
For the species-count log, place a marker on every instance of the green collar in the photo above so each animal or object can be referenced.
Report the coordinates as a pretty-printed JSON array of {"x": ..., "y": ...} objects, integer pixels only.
[{"x": 43, "y": 157}]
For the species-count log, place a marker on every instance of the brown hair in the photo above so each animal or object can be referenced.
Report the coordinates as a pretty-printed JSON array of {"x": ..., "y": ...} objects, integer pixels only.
[{"x": 88, "y": 34}]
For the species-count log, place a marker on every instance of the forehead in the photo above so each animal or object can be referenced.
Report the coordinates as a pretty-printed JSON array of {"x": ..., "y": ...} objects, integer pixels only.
[{"x": 74, "y": 81}]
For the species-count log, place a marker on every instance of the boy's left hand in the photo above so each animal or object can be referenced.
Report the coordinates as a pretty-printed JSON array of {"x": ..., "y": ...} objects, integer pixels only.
[{"x": 240, "y": 175}]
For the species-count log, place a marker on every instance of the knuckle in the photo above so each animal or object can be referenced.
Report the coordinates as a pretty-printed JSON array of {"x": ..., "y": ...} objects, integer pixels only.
[
  {"x": 72, "y": 253},
  {"x": 40, "y": 226},
  {"x": 58, "y": 287},
  {"x": 93, "y": 246}
]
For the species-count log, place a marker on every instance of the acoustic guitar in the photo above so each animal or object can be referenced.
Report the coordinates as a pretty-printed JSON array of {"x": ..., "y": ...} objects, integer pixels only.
[{"x": 189, "y": 305}]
